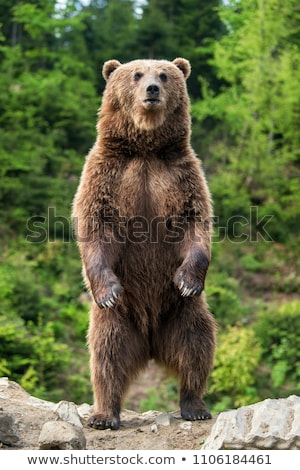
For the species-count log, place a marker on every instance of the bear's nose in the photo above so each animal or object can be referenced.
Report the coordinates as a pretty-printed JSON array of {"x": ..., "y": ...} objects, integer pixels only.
[{"x": 153, "y": 90}]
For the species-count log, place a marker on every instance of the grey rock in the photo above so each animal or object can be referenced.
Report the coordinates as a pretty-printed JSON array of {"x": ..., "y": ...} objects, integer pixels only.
[
  {"x": 151, "y": 414},
  {"x": 8, "y": 429},
  {"x": 84, "y": 410},
  {"x": 163, "y": 419},
  {"x": 10, "y": 389},
  {"x": 4, "y": 382},
  {"x": 270, "y": 424},
  {"x": 61, "y": 435},
  {"x": 67, "y": 411},
  {"x": 154, "y": 428},
  {"x": 185, "y": 426},
  {"x": 38, "y": 403}
]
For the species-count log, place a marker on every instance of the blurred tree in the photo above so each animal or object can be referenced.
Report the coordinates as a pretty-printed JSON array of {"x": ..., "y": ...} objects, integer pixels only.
[
  {"x": 255, "y": 148},
  {"x": 13, "y": 32},
  {"x": 47, "y": 109},
  {"x": 162, "y": 30},
  {"x": 109, "y": 33},
  {"x": 172, "y": 28},
  {"x": 156, "y": 37}
]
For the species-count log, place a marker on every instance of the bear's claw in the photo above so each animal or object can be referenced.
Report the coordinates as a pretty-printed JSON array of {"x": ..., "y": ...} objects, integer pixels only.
[
  {"x": 189, "y": 291},
  {"x": 109, "y": 303},
  {"x": 110, "y": 300},
  {"x": 196, "y": 415}
]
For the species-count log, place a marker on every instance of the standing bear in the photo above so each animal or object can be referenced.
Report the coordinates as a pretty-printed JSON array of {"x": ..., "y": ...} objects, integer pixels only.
[{"x": 142, "y": 215}]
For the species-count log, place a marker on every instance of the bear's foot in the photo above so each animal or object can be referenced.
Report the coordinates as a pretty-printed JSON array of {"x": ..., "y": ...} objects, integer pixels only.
[
  {"x": 194, "y": 409},
  {"x": 102, "y": 421}
]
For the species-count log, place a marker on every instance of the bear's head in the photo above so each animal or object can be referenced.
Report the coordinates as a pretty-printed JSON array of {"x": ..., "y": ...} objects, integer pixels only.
[{"x": 147, "y": 93}]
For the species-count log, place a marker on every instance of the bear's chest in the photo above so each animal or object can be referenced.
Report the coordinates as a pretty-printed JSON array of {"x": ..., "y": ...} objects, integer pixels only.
[{"x": 148, "y": 189}]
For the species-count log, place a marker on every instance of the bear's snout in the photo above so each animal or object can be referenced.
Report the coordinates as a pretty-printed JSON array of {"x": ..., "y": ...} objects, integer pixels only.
[
  {"x": 152, "y": 91},
  {"x": 153, "y": 96}
]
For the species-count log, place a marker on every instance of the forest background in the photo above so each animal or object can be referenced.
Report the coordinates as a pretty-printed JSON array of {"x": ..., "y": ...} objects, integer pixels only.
[{"x": 245, "y": 96}]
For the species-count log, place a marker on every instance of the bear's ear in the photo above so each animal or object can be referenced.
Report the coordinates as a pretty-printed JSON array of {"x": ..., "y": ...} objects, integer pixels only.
[
  {"x": 183, "y": 65},
  {"x": 109, "y": 67}
]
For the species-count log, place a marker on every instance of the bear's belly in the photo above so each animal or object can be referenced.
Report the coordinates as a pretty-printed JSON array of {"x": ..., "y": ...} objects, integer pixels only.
[
  {"x": 146, "y": 271},
  {"x": 148, "y": 263}
]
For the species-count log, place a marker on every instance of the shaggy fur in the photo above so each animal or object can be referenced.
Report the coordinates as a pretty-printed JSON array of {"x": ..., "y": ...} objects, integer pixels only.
[{"x": 143, "y": 214}]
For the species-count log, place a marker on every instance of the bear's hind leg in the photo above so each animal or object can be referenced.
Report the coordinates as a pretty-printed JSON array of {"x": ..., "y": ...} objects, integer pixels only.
[
  {"x": 118, "y": 352},
  {"x": 186, "y": 345}
]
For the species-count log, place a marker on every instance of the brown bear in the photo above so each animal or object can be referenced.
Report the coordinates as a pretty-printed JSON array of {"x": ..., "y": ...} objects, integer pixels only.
[{"x": 143, "y": 215}]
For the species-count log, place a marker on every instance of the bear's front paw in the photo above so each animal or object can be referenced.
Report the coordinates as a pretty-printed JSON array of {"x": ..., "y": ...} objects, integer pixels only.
[
  {"x": 188, "y": 284},
  {"x": 109, "y": 298},
  {"x": 106, "y": 289}
]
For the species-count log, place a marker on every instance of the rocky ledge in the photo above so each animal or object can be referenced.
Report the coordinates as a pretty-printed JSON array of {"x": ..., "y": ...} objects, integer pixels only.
[{"x": 27, "y": 422}]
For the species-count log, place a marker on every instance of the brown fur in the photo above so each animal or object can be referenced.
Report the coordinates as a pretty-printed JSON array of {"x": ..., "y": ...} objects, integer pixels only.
[{"x": 143, "y": 213}]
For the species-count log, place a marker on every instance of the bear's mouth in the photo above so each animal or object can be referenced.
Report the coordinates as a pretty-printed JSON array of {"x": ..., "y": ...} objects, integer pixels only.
[{"x": 151, "y": 101}]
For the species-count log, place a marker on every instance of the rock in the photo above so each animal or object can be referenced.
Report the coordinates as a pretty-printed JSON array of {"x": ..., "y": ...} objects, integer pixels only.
[
  {"x": 8, "y": 430},
  {"x": 61, "y": 435},
  {"x": 67, "y": 411},
  {"x": 38, "y": 403},
  {"x": 30, "y": 423},
  {"x": 84, "y": 410},
  {"x": 154, "y": 428},
  {"x": 3, "y": 383},
  {"x": 186, "y": 426},
  {"x": 10, "y": 389},
  {"x": 270, "y": 424},
  {"x": 163, "y": 419}
]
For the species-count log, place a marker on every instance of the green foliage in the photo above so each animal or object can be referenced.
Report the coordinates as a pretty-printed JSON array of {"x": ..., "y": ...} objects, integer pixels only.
[
  {"x": 256, "y": 152},
  {"x": 126, "y": 30},
  {"x": 250, "y": 262},
  {"x": 223, "y": 285},
  {"x": 4, "y": 371},
  {"x": 31, "y": 350},
  {"x": 43, "y": 320},
  {"x": 232, "y": 382},
  {"x": 48, "y": 101},
  {"x": 110, "y": 32},
  {"x": 277, "y": 331},
  {"x": 165, "y": 398},
  {"x": 30, "y": 381},
  {"x": 224, "y": 298}
]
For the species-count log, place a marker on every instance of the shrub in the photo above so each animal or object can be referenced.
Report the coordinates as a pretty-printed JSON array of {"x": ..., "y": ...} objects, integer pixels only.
[
  {"x": 233, "y": 377},
  {"x": 277, "y": 330}
]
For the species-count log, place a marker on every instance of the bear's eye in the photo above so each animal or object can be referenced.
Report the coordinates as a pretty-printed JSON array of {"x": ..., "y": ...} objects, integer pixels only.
[
  {"x": 137, "y": 76},
  {"x": 163, "y": 77}
]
